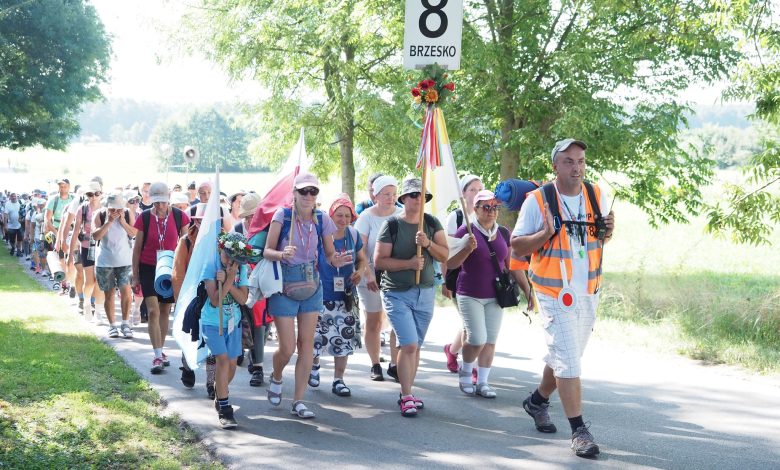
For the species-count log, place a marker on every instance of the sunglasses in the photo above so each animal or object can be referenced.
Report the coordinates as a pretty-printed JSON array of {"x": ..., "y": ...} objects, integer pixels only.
[
  {"x": 91, "y": 194},
  {"x": 414, "y": 195},
  {"x": 489, "y": 208},
  {"x": 309, "y": 191},
  {"x": 133, "y": 201}
]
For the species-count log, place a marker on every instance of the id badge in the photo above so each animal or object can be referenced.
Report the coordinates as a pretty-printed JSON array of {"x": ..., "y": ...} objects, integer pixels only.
[
  {"x": 309, "y": 272},
  {"x": 338, "y": 284},
  {"x": 231, "y": 325}
]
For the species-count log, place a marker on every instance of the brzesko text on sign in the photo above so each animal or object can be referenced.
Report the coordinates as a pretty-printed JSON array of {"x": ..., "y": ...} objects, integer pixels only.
[{"x": 432, "y": 33}]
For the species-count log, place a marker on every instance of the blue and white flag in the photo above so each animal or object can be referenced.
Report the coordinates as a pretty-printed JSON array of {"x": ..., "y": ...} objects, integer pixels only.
[{"x": 203, "y": 265}]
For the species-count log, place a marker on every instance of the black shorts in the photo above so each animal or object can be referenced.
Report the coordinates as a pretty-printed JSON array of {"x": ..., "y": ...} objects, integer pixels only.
[
  {"x": 13, "y": 235},
  {"x": 146, "y": 273},
  {"x": 83, "y": 258}
]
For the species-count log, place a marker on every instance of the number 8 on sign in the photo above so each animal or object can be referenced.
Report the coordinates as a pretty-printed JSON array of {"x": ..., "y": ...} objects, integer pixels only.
[{"x": 437, "y": 10}]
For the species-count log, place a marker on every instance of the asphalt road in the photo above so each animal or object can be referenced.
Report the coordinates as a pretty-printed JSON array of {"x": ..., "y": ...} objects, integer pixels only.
[{"x": 645, "y": 410}]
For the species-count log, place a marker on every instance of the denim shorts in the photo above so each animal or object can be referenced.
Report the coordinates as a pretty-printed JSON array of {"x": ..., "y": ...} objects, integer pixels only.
[
  {"x": 410, "y": 312},
  {"x": 279, "y": 305},
  {"x": 229, "y": 344}
]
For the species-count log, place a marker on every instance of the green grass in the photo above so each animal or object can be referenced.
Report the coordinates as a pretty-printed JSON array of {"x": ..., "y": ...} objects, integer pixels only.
[
  {"x": 678, "y": 289},
  {"x": 69, "y": 401}
]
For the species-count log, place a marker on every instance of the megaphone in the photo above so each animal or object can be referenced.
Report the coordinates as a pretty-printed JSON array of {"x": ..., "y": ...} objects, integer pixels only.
[{"x": 191, "y": 154}]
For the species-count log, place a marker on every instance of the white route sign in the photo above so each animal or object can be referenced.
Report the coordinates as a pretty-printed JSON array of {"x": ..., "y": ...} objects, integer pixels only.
[{"x": 432, "y": 33}]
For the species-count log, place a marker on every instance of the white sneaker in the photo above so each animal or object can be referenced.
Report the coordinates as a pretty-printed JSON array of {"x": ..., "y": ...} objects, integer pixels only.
[
  {"x": 127, "y": 331},
  {"x": 113, "y": 332}
]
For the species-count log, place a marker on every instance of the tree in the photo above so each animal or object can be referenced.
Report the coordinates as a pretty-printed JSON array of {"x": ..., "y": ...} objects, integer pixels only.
[
  {"x": 217, "y": 138},
  {"x": 54, "y": 54},
  {"x": 326, "y": 64},
  {"x": 603, "y": 71},
  {"x": 750, "y": 210}
]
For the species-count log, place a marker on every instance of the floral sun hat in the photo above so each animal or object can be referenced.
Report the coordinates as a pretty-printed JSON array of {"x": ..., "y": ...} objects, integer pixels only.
[{"x": 238, "y": 249}]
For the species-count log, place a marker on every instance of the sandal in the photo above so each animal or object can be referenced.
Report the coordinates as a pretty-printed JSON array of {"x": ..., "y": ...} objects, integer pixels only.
[
  {"x": 417, "y": 402},
  {"x": 299, "y": 409},
  {"x": 314, "y": 376},
  {"x": 467, "y": 388},
  {"x": 340, "y": 388},
  {"x": 486, "y": 391},
  {"x": 273, "y": 397},
  {"x": 408, "y": 407}
]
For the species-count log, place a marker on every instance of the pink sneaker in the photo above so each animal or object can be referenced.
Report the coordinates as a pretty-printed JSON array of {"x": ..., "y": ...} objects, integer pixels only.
[
  {"x": 452, "y": 359},
  {"x": 165, "y": 361},
  {"x": 157, "y": 365}
]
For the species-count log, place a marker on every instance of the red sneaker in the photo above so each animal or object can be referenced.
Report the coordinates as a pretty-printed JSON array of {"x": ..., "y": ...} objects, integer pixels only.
[{"x": 452, "y": 359}]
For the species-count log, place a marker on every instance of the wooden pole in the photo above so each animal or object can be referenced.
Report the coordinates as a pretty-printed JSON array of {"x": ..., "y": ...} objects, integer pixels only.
[
  {"x": 219, "y": 296},
  {"x": 421, "y": 223}
]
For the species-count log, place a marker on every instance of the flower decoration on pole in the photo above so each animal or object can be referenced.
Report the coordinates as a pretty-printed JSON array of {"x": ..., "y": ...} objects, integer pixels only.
[
  {"x": 431, "y": 92},
  {"x": 238, "y": 249},
  {"x": 434, "y": 88}
]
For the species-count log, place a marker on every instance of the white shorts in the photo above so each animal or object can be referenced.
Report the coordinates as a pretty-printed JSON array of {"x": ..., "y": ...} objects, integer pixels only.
[
  {"x": 370, "y": 301},
  {"x": 567, "y": 333}
]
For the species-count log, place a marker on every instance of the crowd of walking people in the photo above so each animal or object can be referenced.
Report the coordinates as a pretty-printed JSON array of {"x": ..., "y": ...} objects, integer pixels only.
[{"x": 349, "y": 272}]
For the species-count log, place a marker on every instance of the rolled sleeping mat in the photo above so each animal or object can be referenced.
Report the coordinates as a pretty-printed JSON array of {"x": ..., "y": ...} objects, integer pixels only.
[
  {"x": 512, "y": 192},
  {"x": 163, "y": 284},
  {"x": 55, "y": 266}
]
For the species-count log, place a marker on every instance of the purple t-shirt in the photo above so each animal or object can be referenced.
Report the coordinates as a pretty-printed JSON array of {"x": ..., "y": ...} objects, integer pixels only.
[
  {"x": 478, "y": 270},
  {"x": 305, "y": 239}
]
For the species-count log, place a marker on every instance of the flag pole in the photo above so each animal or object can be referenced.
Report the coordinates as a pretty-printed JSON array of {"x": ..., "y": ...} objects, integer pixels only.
[
  {"x": 296, "y": 172},
  {"x": 421, "y": 222}
]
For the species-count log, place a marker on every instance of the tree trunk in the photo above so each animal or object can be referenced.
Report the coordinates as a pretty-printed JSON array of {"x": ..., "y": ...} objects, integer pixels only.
[{"x": 346, "y": 149}]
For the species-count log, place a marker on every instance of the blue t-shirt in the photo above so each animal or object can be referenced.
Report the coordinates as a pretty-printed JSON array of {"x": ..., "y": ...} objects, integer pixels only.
[
  {"x": 209, "y": 315},
  {"x": 351, "y": 241}
]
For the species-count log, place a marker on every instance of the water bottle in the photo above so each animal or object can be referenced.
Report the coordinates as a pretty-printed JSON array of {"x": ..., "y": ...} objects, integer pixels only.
[{"x": 91, "y": 251}]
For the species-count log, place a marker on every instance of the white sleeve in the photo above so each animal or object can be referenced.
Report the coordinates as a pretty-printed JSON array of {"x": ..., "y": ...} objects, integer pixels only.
[
  {"x": 73, "y": 206},
  {"x": 452, "y": 223},
  {"x": 362, "y": 224},
  {"x": 530, "y": 219}
]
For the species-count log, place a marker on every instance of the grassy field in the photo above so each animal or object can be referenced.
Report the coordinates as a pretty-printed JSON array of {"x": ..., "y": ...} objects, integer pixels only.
[
  {"x": 69, "y": 401},
  {"x": 676, "y": 288}
]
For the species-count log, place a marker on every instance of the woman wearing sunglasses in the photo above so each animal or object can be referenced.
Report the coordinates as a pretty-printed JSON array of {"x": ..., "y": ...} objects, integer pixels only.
[
  {"x": 293, "y": 239},
  {"x": 485, "y": 252},
  {"x": 82, "y": 243},
  {"x": 409, "y": 304}
]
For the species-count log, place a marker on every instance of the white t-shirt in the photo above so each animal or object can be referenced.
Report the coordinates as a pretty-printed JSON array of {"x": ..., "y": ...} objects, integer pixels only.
[
  {"x": 369, "y": 224},
  {"x": 12, "y": 214},
  {"x": 452, "y": 222},
  {"x": 530, "y": 221},
  {"x": 115, "y": 249}
]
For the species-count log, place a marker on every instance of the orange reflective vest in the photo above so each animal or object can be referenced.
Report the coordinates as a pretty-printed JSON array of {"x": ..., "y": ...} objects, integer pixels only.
[{"x": 545, "y": 268}]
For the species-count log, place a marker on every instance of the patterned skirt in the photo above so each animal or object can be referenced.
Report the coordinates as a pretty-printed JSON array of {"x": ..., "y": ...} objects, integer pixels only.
[{"x": 338, "y": 331}]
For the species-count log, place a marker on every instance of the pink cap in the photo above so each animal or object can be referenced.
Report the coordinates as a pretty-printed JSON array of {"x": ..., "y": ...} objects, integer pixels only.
[
  {"x": 484, "y": 195},
  {"x": 306, "y": 180}
]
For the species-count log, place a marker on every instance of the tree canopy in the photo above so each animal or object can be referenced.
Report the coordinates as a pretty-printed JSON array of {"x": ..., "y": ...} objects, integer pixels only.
[
  {"x": 532, "y": 72},
  {"x": 54, "y": 54},
  {"x": 750, "y": 210},
  {"x": 219, "y": 139}
]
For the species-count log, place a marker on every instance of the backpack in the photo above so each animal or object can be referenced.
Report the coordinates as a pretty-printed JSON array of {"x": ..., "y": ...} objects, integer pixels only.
[
  {"x": 191, "y": 322},
  {"x": 287, "y": 223},
  {"x": 102, "y": 216},
  {"x": 392, "y": 224},
  {"x": 550, "y": 194},
  {"x": 146, "y": 217},
  {"x": 451, "y": 279},
  {"x": 22, "y": 213}
]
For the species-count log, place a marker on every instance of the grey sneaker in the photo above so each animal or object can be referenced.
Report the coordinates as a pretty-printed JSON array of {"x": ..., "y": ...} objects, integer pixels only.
[
  {"x": 582, "y": 442},
  {"x": 540, "y": 415},
  {"x": 113, "y": 332},
  {"x": 127, "y": 332}
]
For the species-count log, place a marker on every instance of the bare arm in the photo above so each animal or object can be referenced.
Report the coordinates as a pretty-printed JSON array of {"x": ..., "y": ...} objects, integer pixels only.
[
  {"x": 526, "y": 244},
  {"x": 270, "y": 252}
]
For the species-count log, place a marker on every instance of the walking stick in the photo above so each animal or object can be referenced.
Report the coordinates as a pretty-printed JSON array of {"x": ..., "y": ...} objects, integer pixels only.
[{"x": 219, "y": 296}]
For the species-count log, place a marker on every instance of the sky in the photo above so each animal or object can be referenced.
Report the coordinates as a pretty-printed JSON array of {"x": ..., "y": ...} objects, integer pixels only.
[{"x": 143, "y": 68}]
